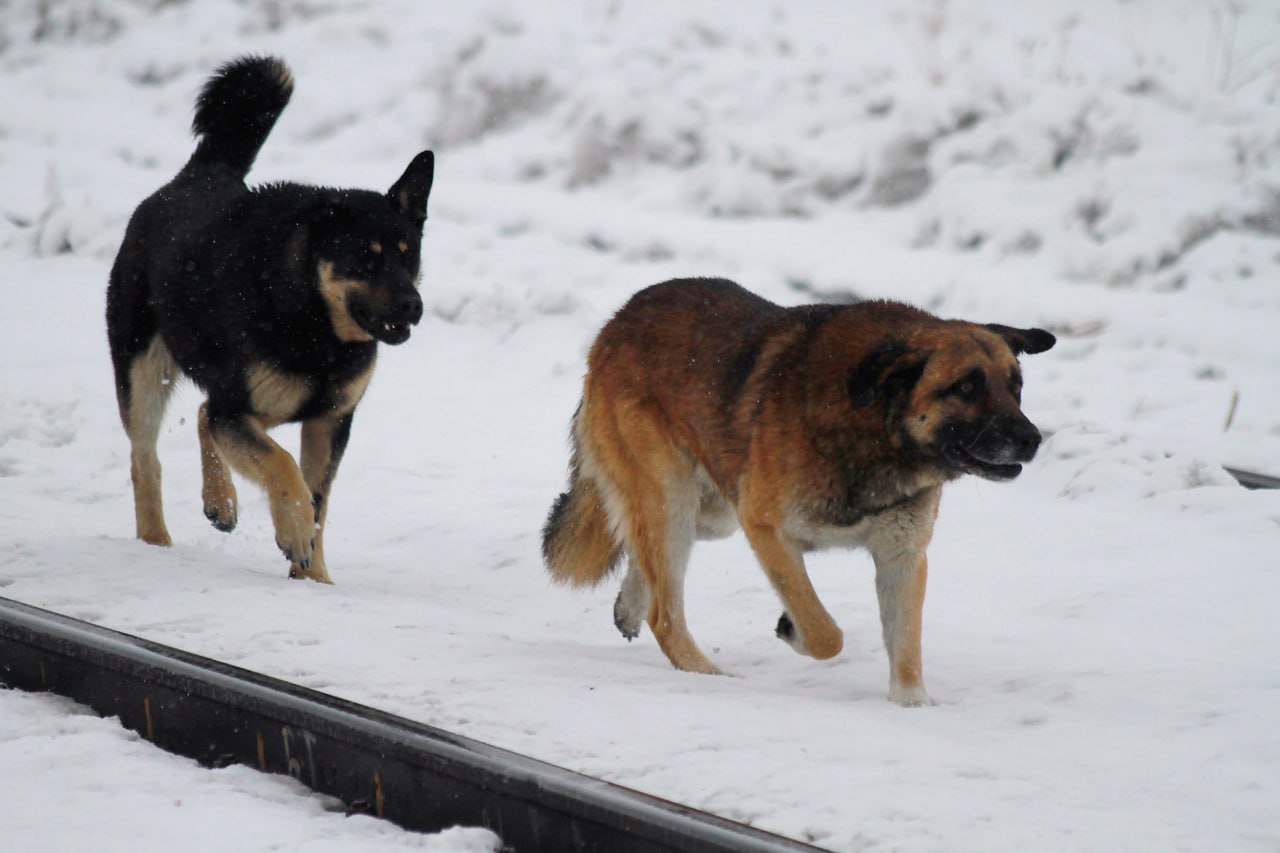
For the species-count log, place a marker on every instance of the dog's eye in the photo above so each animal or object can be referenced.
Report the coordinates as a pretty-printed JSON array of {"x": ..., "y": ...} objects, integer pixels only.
[
  {"x": 968, "y": 387},
  {"x": 1015, "y": 385}
]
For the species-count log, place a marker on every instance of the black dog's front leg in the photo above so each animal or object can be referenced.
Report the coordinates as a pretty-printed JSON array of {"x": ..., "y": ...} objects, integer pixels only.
[
  {"x": 243, "y": 442},
  {"x": 324, "y": 440}
]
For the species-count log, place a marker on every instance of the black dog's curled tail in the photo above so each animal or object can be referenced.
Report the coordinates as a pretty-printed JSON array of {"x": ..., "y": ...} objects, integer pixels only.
[{"x": 236, "y": 110}]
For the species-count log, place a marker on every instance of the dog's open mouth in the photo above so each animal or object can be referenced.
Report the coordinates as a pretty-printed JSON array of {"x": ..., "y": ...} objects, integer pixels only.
[
  {"x": 392, "y": 333},
  {"x": 385, "y": 331},
  {"x": 973, "y": 464}
]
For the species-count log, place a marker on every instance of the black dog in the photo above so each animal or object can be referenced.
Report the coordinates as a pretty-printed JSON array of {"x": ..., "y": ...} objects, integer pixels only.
[{"x": 272, "y": 300}]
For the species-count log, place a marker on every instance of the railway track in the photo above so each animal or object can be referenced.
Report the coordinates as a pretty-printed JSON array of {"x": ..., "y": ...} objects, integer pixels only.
[
  {"x": 418, "y": 776},
  {"x": 1251, "y": 480}
]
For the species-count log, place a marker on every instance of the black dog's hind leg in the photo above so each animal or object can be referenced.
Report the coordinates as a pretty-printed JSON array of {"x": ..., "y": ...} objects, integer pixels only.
[
  {"x": 217, "y": 490},
  {"x": 323, "y": 442},
  {"x": 144, "y": 381}
]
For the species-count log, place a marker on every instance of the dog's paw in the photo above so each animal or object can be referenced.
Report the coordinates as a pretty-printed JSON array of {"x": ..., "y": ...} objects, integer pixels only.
[
  {"x": 300, "y": 557},
  {"x": 786, "y": 632},
  {"x": 626, "y": 619},
  {"x": 222, "y": 514},
  {"x": 821, "y": 646},
  {"x": 314, "y": 571},
  {"x": 913, "y": 696},
  {"x": 295, "y": 524},
  {"x": 297, "y": 550},
  {"x": 218, "y": 494},
  {"x": 156, "y": 537}
]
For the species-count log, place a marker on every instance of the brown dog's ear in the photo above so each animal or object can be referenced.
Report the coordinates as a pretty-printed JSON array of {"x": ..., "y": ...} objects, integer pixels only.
[
  {"x": 887, "y": 373},
  {"x": 1030, "y": 341},
  {"x": 411, "y": 191}
]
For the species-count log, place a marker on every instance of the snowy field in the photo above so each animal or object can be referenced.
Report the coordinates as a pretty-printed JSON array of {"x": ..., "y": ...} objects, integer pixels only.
[{"x": 1099, "y": 634}]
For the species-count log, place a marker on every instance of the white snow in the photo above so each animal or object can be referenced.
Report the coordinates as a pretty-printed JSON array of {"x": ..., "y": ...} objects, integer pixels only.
[
  {"x": 1099, "y": 633},
  {"x": 78, "y": 782}
]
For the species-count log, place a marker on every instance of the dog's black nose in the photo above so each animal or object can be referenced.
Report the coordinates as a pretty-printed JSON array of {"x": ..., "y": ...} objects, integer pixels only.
[
  {"x": 1025, "y": 439},
  {"x": 406, "y": 307}
]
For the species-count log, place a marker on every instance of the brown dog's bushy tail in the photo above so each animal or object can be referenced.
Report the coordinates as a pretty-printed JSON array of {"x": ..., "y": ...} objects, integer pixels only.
[
  {"x": 577, "y": 542},
  {"x": 237, "y": 109}
]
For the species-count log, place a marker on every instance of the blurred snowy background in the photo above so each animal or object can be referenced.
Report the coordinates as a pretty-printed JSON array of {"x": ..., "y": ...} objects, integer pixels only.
[{"x": 1099, "y": 633}]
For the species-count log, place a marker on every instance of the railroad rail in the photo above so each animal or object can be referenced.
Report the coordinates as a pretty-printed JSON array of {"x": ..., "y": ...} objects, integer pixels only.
[
  {"x": 418, "y": 776},
  {"x": 1250, "y": 480}
]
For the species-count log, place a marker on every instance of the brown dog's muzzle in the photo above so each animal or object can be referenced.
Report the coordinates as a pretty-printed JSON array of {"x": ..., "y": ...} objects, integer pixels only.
[{"x": 994, "y": 448}]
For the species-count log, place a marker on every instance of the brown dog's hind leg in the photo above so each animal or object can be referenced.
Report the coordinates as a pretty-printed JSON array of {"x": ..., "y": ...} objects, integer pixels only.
[
  {"x": 217, "y": 490},
  {"x": 662, "y": 535},
  {"x": 631, "y": 607},
  {"x": 143, "y": 397},
  {"x": 653, "y": 498}
]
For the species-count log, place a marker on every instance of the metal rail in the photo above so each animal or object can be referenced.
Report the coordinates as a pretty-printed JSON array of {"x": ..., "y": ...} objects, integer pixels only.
[
  {"x": 418, "y": 776},
  {"x": 1250, "y": 480}
]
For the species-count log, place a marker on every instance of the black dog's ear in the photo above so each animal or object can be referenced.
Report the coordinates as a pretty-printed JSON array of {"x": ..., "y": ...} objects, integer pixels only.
[
  {"x": 411, "y": 191},
  {"x": 1030, "y": 341},
  {"x": 887, "y": 373}
]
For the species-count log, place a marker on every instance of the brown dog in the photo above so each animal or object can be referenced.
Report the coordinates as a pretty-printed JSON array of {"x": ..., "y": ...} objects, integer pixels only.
[{"x": 706, "y": 408}]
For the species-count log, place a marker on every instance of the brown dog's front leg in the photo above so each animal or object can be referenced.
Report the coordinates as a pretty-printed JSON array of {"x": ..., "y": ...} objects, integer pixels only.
[
  {"x": 900, "y": 584},
  {"x": 806, "y": 626},
  {"x": 902, "y": 569}
]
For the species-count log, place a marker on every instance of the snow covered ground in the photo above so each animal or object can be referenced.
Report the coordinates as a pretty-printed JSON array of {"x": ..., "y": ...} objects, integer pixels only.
[
  {"x": 78, "y": 782},
  {"x": 1099, "y": 633}
]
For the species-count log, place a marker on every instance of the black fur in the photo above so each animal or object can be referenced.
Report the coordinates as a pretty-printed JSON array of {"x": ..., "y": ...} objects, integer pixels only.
[
  {"x": 237, "y": 109},
  {"x": 972, "y": 445},
  {"x": 887, "y": 374},
  {"x": 740, "y": 370},
  {"x": 228, "y": 279},
  {"x": 747, "y": 348},
  {"x": 1029, "y": 341},
  {"x": 228, "y": 275},
  {"x": 555, "y": 521}
]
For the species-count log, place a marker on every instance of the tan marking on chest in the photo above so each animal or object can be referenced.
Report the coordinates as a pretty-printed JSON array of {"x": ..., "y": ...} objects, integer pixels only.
[
  {"x": 275, "y": 395},
  {"x": 335, "y": 291},
  {"x": 350, "y": 394}
]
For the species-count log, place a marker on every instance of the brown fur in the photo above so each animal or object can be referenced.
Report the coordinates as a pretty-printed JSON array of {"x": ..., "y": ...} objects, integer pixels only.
[
  {"x": 705, "y": 408},
  {"x": 142, "y": 415},
  {"x": 218, "y": 491}
]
